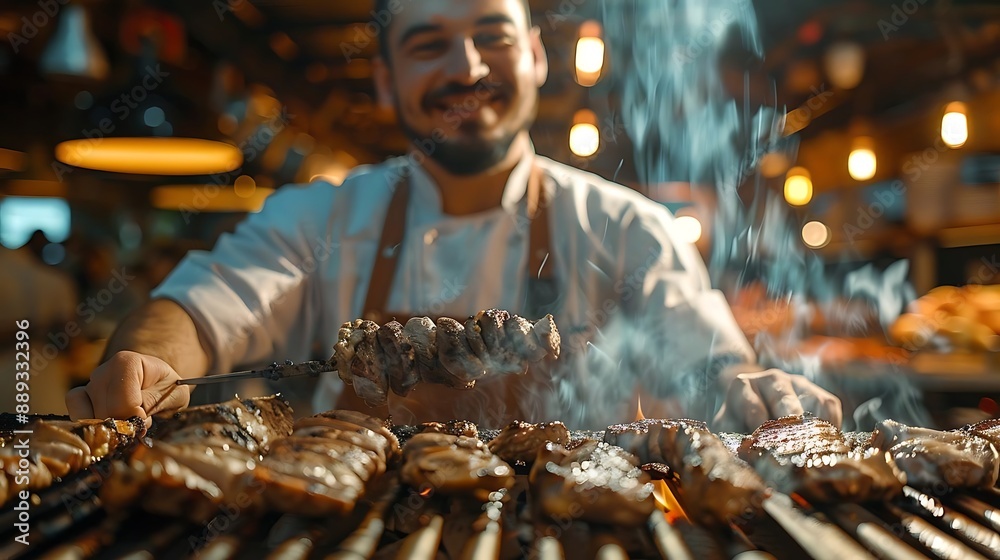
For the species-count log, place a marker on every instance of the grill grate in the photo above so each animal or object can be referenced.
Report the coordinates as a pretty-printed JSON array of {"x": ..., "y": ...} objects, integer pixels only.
[{"x": 68, "y": 523}]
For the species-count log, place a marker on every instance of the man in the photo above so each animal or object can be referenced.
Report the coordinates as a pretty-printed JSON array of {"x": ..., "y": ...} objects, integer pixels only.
[{"x": 484, "y": 222}]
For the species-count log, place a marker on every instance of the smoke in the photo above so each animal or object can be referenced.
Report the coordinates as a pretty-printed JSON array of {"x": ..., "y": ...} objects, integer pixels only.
[{"x": 669, "y": 60}]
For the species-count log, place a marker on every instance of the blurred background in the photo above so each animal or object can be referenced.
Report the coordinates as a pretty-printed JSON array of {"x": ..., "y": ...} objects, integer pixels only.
[{"x": 858, "y": 239}]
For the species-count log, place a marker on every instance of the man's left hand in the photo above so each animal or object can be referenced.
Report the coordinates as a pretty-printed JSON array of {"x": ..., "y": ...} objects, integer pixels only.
[{"x": 754, "y": 398}]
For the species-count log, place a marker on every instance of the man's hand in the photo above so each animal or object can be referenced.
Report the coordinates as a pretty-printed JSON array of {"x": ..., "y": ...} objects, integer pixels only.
[
  {"x": 128, "y": 384},
  {"x": 753, "y": 398}
]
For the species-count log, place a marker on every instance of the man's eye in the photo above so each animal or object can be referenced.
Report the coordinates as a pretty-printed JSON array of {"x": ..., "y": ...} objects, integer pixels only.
[
  {"x": 492, "y": 39},
  {"x": 429, "y": 47}
]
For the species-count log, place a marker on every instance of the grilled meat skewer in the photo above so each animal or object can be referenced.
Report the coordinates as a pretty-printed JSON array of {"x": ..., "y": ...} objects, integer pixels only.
[
  {"x": 718, "y": 486},
  {"x": 811, "y": 457},
  {"x": 394, "y": 357},
  {"x": 927, "y": 457}
]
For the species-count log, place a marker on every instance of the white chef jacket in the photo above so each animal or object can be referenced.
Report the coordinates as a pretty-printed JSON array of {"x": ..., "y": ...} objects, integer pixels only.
[{"x": 283, "y": 283}]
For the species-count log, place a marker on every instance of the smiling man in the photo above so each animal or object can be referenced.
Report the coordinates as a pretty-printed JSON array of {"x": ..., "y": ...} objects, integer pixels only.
[{"x": 470, "y": 219}]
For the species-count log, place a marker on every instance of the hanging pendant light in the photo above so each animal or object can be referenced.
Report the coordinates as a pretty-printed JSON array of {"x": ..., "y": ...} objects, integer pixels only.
[
  {"x": 862, "y": 163},
  {"x": 73, "y": 50},
  {"x": 955, "y": 125}
]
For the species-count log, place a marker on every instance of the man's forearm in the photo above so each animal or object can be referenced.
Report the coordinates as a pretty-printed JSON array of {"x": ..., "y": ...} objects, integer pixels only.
[{"x": 162, "y": 328}]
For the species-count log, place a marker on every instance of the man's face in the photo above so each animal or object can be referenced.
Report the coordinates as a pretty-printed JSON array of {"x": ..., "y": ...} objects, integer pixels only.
[{"x": 463, "y": 74}]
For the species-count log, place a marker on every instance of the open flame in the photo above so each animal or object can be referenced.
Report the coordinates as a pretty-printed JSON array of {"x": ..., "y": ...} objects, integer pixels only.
[{"x": 664, "y": 496}]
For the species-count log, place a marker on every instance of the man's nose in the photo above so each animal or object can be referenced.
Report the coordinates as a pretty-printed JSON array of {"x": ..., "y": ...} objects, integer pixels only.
[{"x": 465, "y": 64}]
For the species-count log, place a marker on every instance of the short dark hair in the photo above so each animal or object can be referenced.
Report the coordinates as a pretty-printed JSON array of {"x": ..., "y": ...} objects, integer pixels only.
[{"x": 382, "y": 23}]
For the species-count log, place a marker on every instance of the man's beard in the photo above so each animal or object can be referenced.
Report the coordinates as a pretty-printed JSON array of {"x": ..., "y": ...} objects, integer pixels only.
[{"x": 462, "y": 156}]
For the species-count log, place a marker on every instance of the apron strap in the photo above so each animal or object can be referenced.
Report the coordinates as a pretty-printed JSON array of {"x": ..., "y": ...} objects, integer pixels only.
[{"x": 540, "y": 265}]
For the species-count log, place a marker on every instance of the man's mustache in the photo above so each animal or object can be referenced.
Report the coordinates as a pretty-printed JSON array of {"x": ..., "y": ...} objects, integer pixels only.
[{"x": 482, "y": 91}]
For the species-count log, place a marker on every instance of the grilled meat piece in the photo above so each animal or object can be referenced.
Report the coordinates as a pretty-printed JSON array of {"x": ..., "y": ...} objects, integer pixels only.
[
  {"x": 989, "y": 429},
  {"x": 59, "y": 448},
  {"x": 348, "y": 338},
  {"x": 473, "y": 332},
  {"x": 927, "y": 457},
  {"x": 520, "y": 441},
  {"x": 548, "y": 335},
  {"x": 455, "y": 353},
  {"x": 256, "y": 420},
  {"x": 451, "y": 427},
  {"x": 503, "y": 359},
  {"x": 399, "y": 360},
  {"x": 420, "y": 333},
  {"x": 810, "y": 457},
  {"x": 595, "y": 482},
  {"x": 715, "y": 486},
  {"x": 368, "y": 369},
  {"x": 454, "y": 465},
  {"x": 521, "y": 338},
  {"x": 199, "y": 457},
  {"x": 324, "y": 467}
]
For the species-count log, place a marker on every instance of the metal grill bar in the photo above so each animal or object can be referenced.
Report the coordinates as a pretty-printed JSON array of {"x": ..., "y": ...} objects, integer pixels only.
[
  {"x": 937, "y": 541},
  {"x": 870, "y": 531},
  {"x": 363, "y": 542},
  {"x": 821, "y": 540}
]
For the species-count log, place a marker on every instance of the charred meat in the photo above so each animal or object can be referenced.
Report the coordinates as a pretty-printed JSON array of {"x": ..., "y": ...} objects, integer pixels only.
[
  {"x": 451, "y": 427},
  {"x": 520, "y": 441},
  {"x": 989, "y": 429},
  {"x": 199, "y": 456},
  {"x": 327, "y": 463},
  {"x": 59, "y": 448},
  {"x": 394, "y": 357},
  {"x": 454, "y": 465},
  {"x": 927, "y": 457},
  {"x": 399, "y": 358},
  {"x": 810, "y": 457},
  {"x": 715, "y": 486},
  {"x": 594, "y": 482}
]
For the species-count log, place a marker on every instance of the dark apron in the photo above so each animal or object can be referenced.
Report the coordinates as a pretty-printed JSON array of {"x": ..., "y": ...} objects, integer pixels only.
[{"x": 499, "y": 400}]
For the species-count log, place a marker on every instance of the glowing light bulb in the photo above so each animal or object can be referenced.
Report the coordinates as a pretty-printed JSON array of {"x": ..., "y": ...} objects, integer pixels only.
[
  {"x": 589, "y": 54},
  {"x": 584, "y": 139},
  {"x": 798, "y": 186},
  {"x": 955, "y": 125},
  {"x": 816, "y": 235},
  {"x": 687, "y": 228},
  {"x": 862, "y": 164}
]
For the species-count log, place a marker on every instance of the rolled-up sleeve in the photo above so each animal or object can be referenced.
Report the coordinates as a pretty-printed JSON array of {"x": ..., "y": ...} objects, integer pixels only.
[{"x": 247, "y": 295}]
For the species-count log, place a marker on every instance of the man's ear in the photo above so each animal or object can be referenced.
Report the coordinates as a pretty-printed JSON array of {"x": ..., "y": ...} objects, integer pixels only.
[
  {"x": 541, "y": 58},
  {"x": 382, "y": 75}
]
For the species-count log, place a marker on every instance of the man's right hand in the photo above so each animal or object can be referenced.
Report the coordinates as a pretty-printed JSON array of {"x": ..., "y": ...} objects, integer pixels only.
[{"x": 129, "y": 384}]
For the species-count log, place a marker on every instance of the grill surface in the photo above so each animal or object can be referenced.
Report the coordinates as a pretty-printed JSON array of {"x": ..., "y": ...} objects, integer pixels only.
[{"x": 67, "y": 521}]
